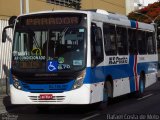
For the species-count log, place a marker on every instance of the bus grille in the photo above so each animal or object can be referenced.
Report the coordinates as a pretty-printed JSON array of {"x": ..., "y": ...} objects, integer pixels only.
[
  {"x": 46, "y": 80},
  {"x": 47, "y": 88},
  {"x": 55, "y": 99}
]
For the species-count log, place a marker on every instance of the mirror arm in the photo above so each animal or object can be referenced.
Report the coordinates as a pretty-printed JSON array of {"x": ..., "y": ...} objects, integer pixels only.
[{"x": 10, "y": 26}]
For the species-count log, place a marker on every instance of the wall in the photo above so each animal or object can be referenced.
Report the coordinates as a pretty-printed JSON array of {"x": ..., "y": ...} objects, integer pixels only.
[
  {"x": 12, "y": 7},
  {"x": 5, "y": 55},
  {"x": 117, "y": 6},
  {"x": 9, "y": 8}
]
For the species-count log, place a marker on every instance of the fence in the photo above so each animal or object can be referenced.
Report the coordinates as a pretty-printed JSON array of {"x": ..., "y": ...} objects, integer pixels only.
[{"x": 5, "y": 56}]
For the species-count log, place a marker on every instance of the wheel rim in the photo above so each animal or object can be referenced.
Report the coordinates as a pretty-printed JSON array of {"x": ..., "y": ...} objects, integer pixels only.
[
  {"x": 105, "y": 94},
  {"x": 141, "y": 86}
]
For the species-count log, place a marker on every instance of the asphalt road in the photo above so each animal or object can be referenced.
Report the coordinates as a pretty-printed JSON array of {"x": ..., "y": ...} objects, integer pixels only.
[{"x": 125, "y": 107}]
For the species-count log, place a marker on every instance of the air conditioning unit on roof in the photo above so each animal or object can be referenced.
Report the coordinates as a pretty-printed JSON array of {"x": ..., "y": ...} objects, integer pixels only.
[{"x": 102, "y": 11}]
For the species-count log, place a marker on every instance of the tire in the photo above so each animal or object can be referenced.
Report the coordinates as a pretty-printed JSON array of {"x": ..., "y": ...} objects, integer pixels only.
[
  {"x": 103, "y": 104},
  {"x": 141, "y": 90}
]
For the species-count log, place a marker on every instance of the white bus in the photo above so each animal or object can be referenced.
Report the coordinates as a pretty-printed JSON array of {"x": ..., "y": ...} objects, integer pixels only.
[{"x": 80, "y": 57}]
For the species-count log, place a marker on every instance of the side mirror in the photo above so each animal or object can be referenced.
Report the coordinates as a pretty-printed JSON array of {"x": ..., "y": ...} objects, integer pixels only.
[
  {"x": 11, "y": 23},
  {"x": 4, "y": 33}
]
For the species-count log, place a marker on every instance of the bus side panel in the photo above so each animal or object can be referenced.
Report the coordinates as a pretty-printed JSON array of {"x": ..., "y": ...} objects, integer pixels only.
[
  {"x": 148, "y": 64},
  {"x": 121, "y": 86},
  {"x": 95, "y": 77},
  {"x": 120, "y": 70},
  {"x": 150, "y": 79}
]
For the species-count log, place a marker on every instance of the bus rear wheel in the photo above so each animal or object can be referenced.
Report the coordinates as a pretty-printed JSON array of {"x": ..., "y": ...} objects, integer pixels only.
[{"x": 141, "y": 90}]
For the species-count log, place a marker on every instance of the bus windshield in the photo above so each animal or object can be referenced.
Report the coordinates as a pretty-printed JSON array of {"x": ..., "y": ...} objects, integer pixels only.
[{"x": 35, "y": 47}]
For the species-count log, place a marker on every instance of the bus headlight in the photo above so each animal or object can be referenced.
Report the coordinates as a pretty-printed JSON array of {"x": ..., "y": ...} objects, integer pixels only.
[
  {"x": 16, "y": 83},
  {"x": 79, "y": 81}
]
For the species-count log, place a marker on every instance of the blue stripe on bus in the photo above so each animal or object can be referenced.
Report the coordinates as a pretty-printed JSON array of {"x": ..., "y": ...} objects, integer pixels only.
[
  {"x": 49, "y": 88},
  {"x": 119, "y": 71},
  {"x": 132, "y": 81},
  {"x": 95, "y": 75},
  {"x": 134, "y": 24}
]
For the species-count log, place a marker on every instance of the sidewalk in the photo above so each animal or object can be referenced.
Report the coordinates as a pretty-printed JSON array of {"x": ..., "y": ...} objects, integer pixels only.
[{"x": 4, "y": 103}]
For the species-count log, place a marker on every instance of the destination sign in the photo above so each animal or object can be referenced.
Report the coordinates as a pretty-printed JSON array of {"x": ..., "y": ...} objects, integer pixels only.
[{"x": 52, "y": 21}]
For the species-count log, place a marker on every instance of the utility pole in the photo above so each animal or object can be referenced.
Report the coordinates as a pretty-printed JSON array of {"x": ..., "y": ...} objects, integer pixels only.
[
  {"x": 27, "y": 6},
  {"x": 21, "y": 7}
]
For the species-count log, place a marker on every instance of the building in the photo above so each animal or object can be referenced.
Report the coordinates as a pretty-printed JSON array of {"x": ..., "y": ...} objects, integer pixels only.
[{"x": 12, "y": 7}]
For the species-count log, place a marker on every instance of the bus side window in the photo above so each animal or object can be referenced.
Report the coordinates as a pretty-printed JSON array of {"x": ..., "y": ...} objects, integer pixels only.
[
  {"x": 150, "y": 43},
  {"x": 122, "y": 43},
  {"x": 132, "y": 42},
  {"x": 142, "y": 47},
  {"x": 96, "y": 45},
  {"x": 110, "y": 39}
]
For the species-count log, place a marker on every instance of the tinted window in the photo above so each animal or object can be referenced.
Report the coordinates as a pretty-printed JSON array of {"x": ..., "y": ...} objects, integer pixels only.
[
  {"x": 110, "y": 39},
  {"x": 132, "y": 41},
  {"x": 151, "y": 48},
  {"x": 122, "y": 41},
  {"x": 53, "y": 44},
  {"x": 140, "y": 36}
]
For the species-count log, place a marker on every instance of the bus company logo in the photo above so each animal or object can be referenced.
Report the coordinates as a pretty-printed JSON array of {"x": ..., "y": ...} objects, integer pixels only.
[{"x": 118, "y": 60}]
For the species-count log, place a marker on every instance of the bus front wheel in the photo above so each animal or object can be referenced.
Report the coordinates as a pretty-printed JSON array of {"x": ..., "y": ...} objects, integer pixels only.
[{"x": 103, "y": 104}]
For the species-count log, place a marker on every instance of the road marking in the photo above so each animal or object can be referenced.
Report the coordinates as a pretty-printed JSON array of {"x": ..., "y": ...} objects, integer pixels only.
[
  {"x": 89, "y": 117},
  {"x": 145, "y": 97}
]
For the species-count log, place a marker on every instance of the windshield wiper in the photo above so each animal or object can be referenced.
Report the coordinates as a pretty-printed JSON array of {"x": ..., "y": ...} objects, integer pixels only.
[{"x": 63, "y": 32}]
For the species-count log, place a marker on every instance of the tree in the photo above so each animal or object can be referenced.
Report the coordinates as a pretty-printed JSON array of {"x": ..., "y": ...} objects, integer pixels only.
[{"x": 152, "y": 11}]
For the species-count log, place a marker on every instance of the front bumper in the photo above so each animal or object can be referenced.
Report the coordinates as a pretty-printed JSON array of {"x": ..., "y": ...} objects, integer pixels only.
[{"x": 78, "y": 96}]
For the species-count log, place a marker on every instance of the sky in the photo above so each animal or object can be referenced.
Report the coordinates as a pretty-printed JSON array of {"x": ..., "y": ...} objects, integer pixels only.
[{"x": 146, "y": 2}]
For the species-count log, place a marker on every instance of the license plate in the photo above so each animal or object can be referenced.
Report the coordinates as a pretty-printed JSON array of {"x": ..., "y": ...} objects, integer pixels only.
[{"x": 46, "y": 97}]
